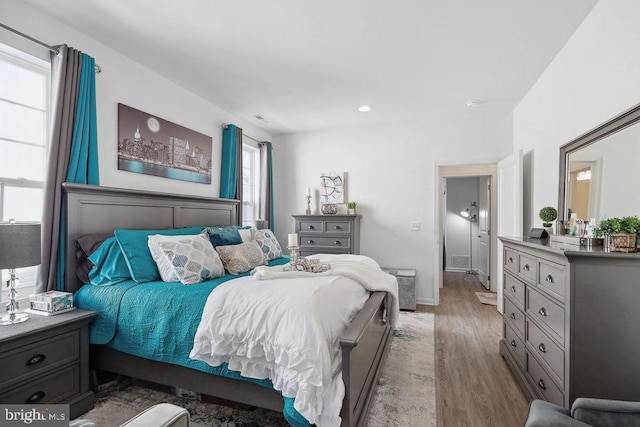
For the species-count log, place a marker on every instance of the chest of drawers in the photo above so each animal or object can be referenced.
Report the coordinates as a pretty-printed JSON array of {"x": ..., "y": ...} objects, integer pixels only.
[
  {"x": 46, "y": 360},
  {"x": 329, "y": 234},
  {"x": 569, "y": 313}
]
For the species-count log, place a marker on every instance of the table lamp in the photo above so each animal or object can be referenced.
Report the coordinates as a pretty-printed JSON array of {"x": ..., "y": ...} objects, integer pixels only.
[{"x": 19, "y": 247}]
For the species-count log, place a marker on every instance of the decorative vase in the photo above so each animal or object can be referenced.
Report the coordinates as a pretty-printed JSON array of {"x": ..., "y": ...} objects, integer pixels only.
[
  {"x": 329, "y": 209},
  {"x": 351, "y": 211},
  {"x": 549, "y": 230}
]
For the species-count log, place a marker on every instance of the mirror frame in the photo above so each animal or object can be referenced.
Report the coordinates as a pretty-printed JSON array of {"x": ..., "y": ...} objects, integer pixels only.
[{"x": 622, "y": 121}]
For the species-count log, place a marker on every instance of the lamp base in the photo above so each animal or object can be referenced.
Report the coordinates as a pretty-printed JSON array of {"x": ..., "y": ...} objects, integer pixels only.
[{"x": 10, "y": 319}]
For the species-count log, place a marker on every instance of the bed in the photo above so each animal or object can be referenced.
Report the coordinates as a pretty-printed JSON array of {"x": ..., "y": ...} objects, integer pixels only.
[{"x": 93, "y": 210}]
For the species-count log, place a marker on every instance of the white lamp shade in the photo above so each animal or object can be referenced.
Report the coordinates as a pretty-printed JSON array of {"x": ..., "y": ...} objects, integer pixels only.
[{"x": 19, "y": 244}]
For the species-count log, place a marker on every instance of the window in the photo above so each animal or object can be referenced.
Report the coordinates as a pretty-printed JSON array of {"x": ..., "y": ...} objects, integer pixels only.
[
  {"x": 24, "y": 124},
  {"x": 250, "y": 183}
]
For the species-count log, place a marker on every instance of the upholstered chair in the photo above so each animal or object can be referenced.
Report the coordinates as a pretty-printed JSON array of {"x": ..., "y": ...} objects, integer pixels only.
[{"x": 584, "y": 413}]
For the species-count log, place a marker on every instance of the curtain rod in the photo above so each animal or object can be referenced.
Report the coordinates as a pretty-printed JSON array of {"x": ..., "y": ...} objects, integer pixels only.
[{"x": 46, "y": 46}]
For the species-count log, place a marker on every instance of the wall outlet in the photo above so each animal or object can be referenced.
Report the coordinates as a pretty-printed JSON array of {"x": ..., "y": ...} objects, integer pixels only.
[{"x": 415, "y": 225}]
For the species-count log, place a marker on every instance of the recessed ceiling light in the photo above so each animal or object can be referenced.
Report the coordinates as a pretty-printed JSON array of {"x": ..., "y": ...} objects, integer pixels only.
[{"x": 364, "y": 108}]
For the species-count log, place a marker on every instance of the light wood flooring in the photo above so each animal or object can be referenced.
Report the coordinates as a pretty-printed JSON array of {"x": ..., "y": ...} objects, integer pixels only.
[{"x": 474, "y": 386}]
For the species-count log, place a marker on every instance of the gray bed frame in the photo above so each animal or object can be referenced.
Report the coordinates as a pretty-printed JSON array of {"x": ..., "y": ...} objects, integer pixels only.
[{"x": 93, "y": 209}]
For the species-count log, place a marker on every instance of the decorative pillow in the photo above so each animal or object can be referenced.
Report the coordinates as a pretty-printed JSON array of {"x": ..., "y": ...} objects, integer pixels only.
[
  {"x": 223, "y": 236},
  {"x": 109, "y": 264},
  {"x": 268, "y": 243},
  {"x": 85, "y": 246},
  {"x": 135, "y": 247},
  {"x": 192, "y": 258},
  {"x": 164, "y": 264},
  {"x": 246, "y": 234},
  {"x": 242, "y": 257}
]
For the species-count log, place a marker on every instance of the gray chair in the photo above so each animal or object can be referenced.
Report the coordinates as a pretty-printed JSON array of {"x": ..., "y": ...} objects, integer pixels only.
[{"x": 584, "y": 413}]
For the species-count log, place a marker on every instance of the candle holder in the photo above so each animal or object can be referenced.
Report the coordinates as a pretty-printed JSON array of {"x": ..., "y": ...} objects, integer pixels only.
[
  {"x": 300, "y": 263},
  {"x": 308, "y": 205}
]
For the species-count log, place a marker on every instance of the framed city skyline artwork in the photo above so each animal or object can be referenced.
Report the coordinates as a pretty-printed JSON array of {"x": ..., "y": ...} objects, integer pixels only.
[{"x": 151, "y": 145}]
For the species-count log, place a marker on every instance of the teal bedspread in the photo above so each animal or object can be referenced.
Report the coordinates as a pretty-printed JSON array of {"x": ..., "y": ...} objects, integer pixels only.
[{"x": 128, "y": 321}]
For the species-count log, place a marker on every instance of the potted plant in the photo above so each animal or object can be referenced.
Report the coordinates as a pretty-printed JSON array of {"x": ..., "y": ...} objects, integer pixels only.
[
  {"x": 620, "y": 232},
  {"x": 351, "y": 207},
  {"x": 548, "y": 214}
]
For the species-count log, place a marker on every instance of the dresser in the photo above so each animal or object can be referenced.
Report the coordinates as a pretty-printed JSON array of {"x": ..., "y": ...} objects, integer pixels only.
[
  {"x": 329, "y": 234},
  {"x": 46, "y": 360},
  {"x": 571, "y": 320}
]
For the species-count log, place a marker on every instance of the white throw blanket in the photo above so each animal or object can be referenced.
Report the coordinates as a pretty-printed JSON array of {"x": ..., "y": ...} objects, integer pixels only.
[{"x": 287, "y": 328}]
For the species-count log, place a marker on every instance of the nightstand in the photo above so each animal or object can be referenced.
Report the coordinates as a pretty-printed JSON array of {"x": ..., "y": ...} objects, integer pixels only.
[
  {"x": 328, "y": 234},
  {"x": 46, "y": 360}
]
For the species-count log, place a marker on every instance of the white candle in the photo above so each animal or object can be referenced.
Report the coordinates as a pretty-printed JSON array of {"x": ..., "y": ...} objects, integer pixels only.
[
  {"x": 308, "y": 192},
  {"x": 293, "y": 239}
]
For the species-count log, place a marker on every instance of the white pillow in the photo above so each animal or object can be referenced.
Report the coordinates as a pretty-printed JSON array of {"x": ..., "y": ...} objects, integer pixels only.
[
  {"x": 188, "y": 259},
  {"x": 246, "y": 234}
]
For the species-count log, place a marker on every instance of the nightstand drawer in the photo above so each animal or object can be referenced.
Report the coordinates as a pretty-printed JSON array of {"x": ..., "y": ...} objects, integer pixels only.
[
  {"x": 22, "y": 363},
  {"x": 311, "y": 226},
  {"x": 337, "y": 227},
  {"x": 53, "y": 388},
  {"x": 332, "y": 242}
]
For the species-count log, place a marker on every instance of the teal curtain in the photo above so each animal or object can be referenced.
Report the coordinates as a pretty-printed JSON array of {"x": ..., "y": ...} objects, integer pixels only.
[
  {"x": 266, "y": 184},
  {"x": 72, "y": 155},
  {"x": 231, "y": 168}
]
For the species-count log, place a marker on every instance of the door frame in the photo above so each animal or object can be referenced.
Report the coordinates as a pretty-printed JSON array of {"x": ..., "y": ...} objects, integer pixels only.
[{"x": 461, "y": 171}]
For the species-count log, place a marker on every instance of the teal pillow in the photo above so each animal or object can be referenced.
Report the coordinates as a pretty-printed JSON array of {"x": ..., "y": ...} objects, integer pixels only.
[
  {"x": 224, "y": 236},
  {"x": 109, "y": 264},
  {"x": 135, "y": 247}
]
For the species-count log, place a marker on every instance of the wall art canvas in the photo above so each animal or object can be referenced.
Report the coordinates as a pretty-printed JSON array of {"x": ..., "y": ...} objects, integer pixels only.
[
  {"x": 150, "y": 145},
  {"x": 332, "y": 187}
]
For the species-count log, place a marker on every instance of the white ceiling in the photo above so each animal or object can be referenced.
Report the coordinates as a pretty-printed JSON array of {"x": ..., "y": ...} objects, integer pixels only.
[{"x": 308, "y": 64}]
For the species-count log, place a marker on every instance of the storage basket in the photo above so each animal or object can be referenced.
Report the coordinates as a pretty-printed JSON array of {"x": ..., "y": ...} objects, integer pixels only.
[{"x": 623, "y": 242}]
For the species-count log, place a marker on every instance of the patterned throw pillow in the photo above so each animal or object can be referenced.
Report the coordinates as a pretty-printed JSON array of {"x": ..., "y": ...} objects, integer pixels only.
[
  {"x": 268, "y": 242},
  {"x": 192, "y": 258},
  {"x": 241, "y": 258}
]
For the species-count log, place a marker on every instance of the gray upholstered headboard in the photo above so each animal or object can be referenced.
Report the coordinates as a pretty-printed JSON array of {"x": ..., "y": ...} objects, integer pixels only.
[{"x": 92, "y": 209}]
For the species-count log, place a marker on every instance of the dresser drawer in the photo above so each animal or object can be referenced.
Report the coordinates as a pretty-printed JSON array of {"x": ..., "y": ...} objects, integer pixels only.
[
  {"x": 542, "y": 382},
  {"x": 552, "y": 279},
  {"x": 52, "y": 388},
  {"x": 514, "y": 317},
  {"x": 22, "y": 363},
  {"x": 527, "y": 268},
  {"x": 311, "y": 227},
  {"x": 515, "y": 344},
  {"x": 511, "y": 260},
  {"x": 321, "y": 241},
  {"x": 514, "y": 288},
  {"x": 337, "y": 227},
  {"x": 546, "y": 311},
  {"x": 553, "y": 355}
]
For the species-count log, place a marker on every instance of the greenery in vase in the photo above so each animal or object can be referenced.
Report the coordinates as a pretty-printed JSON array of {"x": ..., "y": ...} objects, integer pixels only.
[
  {"x": 352, "y": 205},
  {"x": 627, "y": 224},
  {"x": 548, "y": 214}
]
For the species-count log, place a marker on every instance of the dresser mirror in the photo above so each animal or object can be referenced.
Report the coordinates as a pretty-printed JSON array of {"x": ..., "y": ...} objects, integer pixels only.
[{"x": 598, "y": 171}]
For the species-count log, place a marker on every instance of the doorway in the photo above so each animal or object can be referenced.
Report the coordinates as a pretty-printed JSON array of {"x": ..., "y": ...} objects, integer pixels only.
[{"x": 480, "y": 240}]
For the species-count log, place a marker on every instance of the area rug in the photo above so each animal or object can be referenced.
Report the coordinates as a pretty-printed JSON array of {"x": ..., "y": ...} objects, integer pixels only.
[
  {"x": 488, "y": 298},
  {"x": 405, "y": 394}
]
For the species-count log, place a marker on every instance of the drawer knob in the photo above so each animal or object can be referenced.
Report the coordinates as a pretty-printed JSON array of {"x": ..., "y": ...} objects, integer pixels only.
[
  {"x": 549, "y": 278},
  {"x": 36, "y": 397},
  {"x": 542, "y": 385},
  {"x": 310, "y": 242},
  {"x": 311, "y": 227},
  {"x": 337, "y": 242},
  {"x": 513, "y": 289},
  {"x": 543, "y": 312},
  {"x": 542, "y": 348},
  {"x": 510, "y": 260},
  {"x": 35, "y": 359},
  {"x": 337, "y": 227},
  {"x": 513, "y": 343},
  {"x": 513, "y": 316},
  {"x": 526, "y": 267}
]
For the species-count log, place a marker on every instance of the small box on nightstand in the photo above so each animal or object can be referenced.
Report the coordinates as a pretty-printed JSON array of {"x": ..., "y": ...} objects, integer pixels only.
[
  {"x": 406, "y": 287},
  {"x": 52, "y": 301}
]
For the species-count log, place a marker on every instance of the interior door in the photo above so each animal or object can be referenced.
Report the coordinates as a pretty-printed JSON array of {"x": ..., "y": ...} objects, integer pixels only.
[
  {"x": 484, "y": 231},
  {"x": 509, "y": 200}
]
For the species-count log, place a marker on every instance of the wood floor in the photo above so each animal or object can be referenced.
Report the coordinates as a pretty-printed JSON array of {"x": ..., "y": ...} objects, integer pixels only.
[{"x": 474, "y": 386}]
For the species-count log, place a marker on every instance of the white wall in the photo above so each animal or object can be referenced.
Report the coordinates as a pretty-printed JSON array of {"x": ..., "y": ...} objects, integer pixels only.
[
  {"x": 391, "y": 174},
  {"x": 460, "y": 193},
  {"x": 125, "y": 81},
  {"x": 593, "y": 78}
]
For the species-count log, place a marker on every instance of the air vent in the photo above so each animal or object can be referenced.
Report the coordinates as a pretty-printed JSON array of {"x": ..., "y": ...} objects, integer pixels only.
[{"x": 459, "y": 261}]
